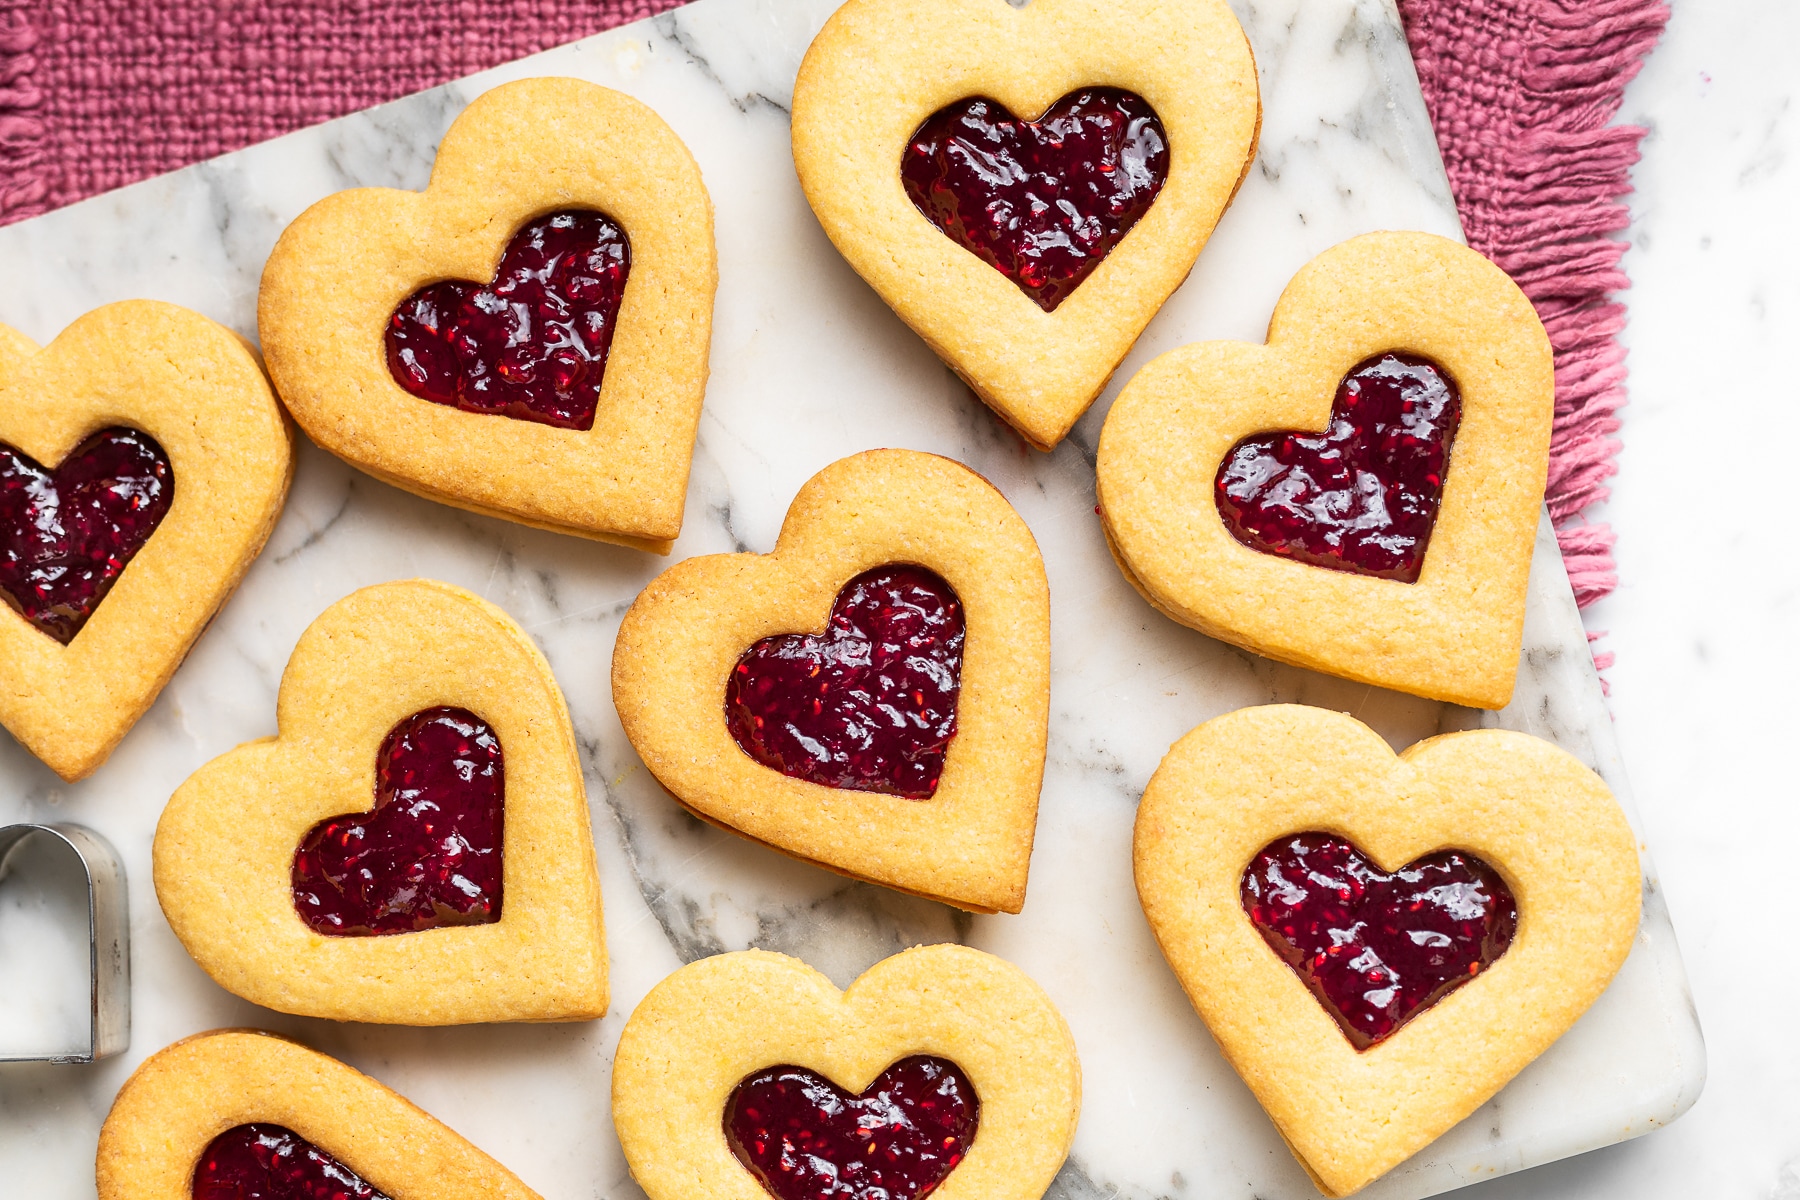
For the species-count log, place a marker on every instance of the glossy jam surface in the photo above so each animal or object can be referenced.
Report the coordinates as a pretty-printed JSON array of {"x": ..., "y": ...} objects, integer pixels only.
[
  {"x": 1377, "y": 949},
  {"x": 533, "y": 343},
  {"x": 804, "y": 1138},
  {"x": 1043, "y": 201},
  {"x": 65, "y": 535},
  {"x": 268, "y": 1162},
  {"x": 1363, "y": 495},
  {"x": 870, "y": 704},
  {"x": 430, "y": 852}
]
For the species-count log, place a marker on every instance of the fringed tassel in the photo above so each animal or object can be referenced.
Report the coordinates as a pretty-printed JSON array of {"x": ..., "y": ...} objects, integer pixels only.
[
  {"x": 1602, "y": 660},
  {"x": 23, "y": 186}
]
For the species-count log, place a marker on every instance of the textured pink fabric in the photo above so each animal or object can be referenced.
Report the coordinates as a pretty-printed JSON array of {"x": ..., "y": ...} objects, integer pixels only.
[
  {"x": 24, "y": 173},
  {"x": 125, "y": 89},
  {"x": 97, "y": 93},
  {"x": 1522, "y": 93}
]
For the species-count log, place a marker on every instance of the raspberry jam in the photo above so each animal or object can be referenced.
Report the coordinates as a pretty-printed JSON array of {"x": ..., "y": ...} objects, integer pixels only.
[
  {"x": 870, "y": 704},
  {"x": 1041, "y": 201},
  {"x": 1363, "y": 495},
  {"x": 804, "y": 1138},
  {"x": 65, "y": 535},
  {"x": 430, "y": 852},
  {"x": 533, "y": 343},
  {"x": 268, "y": 1162},
  {"x": 1377, "y": 949}
]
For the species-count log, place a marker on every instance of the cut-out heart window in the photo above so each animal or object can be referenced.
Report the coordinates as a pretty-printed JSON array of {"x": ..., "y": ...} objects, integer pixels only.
[
  {"x": 1362, "y": 496},
  {"x": 67, "y": 534},
  {"x": 429, "y": 854},
  {"x": 533, "y": 343},
  {"x": 870, "y": 704},
  {"x": 805, "y": 1138},
  {"x": 268, "y": 1162},
  {"x": 1041, "y": 201},
  {"x": 1377, "y": 948}
]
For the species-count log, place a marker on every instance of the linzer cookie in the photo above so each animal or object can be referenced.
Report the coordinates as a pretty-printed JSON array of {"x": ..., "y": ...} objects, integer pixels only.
[
  {"x": 1360, "y": 495},
  {"x": 413, "y": 848},
  {"x": 942, "y": 1071},
  {"x": 143, "y": 461},
  {"x": 1379, "y": 943},
  {"x": 528, "y": 336},
  {"x": 1025, "y": 186},
  {"x": 237, "y": 1113},
  {"x": 873, "y": 696}
]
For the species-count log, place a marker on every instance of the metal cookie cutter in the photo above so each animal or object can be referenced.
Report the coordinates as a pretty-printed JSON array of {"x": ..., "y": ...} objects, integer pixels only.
[{"x": 109, "y": 959}]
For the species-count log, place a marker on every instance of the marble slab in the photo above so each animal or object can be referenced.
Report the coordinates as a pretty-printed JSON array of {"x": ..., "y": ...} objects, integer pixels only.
[{"x": 808, "y": 366}]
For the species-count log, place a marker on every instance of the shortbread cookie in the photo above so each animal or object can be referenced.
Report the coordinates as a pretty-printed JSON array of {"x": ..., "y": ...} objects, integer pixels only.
[
  {"x": 525, "y": 338},
  {"x": 1394, "y": 547},
  {"x": 1121, "y": 128},
  {"x": 143, "y": 461},
  {"x": 294, "y": 882},
  {"x": 227, "y": 1114},
  {"x": 1379, "y": 943},
  {"x": 762, "y": 690},
  {"x": 941, "y": 1070}
]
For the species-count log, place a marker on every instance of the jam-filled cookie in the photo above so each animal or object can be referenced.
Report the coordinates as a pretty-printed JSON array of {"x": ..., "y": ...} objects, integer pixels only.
[
  {"x": 941, "y": 1071},
  {"x": 413, "y": 848},
  {"x": 1379, "y": 943},
  {"x": 238, "y": 1113},
  {"x": 1360, "y": 495},
  {"x": 873, "y": 695},
  {"x": 528, "y": 336},
  {"x": 143, "y": 461},
  {"x": 1025, "y": 185}
]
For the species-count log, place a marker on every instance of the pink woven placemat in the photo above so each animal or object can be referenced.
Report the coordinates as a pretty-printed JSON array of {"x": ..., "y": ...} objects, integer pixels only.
[{"x": 95, "y": 94}]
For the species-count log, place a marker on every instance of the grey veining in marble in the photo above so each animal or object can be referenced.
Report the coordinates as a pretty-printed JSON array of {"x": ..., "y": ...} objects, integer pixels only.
[{"x": 808, "y": 366}]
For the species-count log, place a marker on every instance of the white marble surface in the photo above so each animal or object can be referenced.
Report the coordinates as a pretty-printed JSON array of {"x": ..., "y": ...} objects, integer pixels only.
[{"x": 808, "y": 366}]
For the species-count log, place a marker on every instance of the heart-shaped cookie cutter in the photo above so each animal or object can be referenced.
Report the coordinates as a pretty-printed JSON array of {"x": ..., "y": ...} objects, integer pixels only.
[{"x": 109, "y": 957}]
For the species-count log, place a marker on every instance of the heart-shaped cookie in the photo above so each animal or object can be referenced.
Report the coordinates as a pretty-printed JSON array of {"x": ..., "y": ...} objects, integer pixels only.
[
  {"x": 1182, "y": 441},
  {"x": 450, "y": 341},
  {"x": 1544, "y": 828},
  {"x": 956, "y": 1072},
  {"x": 1032, "y": 291},
  {"x": 425, "y": 692},
  {"x": 196, "y": 1115},
  {"x": 1181, "y": 445},
  {"x": 143, "y": 461},
  {"x": 877, "y": 756}
]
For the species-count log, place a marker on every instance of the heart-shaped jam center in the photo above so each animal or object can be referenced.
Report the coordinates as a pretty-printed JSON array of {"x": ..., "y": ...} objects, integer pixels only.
[
  {"x": 870, "y": 704},
  {"x": 533, "y": 343},
  {"x": 1377, "y": 948},
  {"x": 1363, "y": 495},
  {"x": 805, "y": 1138},
  {"x": 1042, "y": 201},
  {"x": 430, "y": 852},
  {"x": 65, "y": 535},
  {"x": 269, "y": 1162}
]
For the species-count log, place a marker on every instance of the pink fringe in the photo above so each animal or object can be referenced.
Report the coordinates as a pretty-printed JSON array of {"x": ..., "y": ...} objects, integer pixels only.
[
  {"x": 23, "y": 186},
  {"x": 1602, "y": 660},
  {"x": 1521, "y": 93}
]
